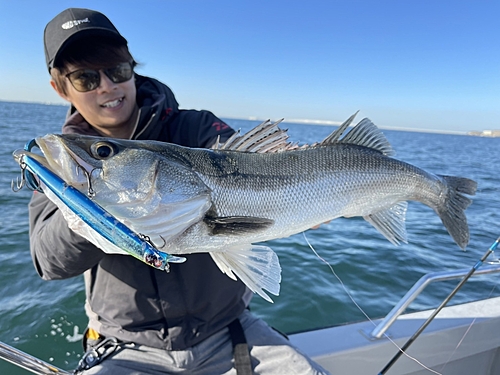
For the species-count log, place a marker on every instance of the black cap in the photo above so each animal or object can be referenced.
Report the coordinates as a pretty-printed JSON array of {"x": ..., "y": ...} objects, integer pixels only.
[{"x": 72, "y": 24}]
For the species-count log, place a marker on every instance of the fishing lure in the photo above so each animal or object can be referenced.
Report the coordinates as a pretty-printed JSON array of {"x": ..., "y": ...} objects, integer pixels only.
[{"x": 137, "y": 245}]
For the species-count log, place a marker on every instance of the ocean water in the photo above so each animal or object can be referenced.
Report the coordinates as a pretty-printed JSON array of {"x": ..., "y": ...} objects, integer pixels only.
[{"x": 46, "y": 318}]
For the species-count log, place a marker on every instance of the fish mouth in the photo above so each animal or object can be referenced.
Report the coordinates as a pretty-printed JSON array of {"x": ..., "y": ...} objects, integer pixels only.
[
  {"x": 19, "y": 154},
  {"x": 63, "y": 161}
]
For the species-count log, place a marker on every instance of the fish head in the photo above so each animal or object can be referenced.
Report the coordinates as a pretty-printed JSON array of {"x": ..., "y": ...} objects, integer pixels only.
[
  {"x": 130, "y": 178},
  {"x": 118, "y": 171}
]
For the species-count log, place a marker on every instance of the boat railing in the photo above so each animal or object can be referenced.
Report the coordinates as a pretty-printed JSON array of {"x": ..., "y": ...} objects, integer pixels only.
[{"x": 418, "y": 288}]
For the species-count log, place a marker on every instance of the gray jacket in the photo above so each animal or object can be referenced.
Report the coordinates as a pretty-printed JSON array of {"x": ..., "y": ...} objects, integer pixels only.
[{"x": 126, "y": 298}]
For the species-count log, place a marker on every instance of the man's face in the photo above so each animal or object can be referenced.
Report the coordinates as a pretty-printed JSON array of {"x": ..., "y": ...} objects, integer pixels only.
[{"x": 110, "y": 108}]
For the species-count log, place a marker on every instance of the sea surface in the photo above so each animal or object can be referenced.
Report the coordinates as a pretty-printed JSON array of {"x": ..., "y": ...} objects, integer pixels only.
[{"x": 46, "y": 318}]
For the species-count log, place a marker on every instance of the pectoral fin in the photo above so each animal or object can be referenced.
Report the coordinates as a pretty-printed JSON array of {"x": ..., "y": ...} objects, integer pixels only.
[
  {"x": 391, "y": 222},
  {"x": 237, "y": 225}
]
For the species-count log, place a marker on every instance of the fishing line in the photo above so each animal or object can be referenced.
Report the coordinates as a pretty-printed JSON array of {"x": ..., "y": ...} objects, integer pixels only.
[
  {"x": 440, "y": 307},
  {"x": 496, "y": 260},
  {"x": 470, "y": 325},
  {"x": 362, "y": 311}
]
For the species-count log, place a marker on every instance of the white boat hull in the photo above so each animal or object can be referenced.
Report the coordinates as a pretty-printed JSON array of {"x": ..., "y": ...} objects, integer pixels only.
[{"x": 461, "y": 340}]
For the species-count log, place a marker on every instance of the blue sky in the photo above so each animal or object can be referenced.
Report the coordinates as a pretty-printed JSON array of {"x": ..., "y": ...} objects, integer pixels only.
[{"x": 420, "y": 64}]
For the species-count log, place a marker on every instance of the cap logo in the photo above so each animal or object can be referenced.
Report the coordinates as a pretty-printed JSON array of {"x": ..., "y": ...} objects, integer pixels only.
[{"x": 70, "y": 24}]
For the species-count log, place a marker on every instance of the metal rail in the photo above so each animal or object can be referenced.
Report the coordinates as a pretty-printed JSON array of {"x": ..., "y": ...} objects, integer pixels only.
[
  {"x": 28, "y": 362},
  {"x": 418, "y": 288}
]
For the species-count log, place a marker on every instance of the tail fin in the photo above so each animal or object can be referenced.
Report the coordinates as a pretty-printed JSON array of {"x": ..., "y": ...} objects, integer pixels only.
[
  {"x": 452, "y": 211},
  {"x": 257, "y": 266}
]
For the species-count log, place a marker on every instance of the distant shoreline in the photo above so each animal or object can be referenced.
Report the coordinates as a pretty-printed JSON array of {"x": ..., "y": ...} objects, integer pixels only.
[
  {"x": 337, "y": 123},
  {"x": 479, "y": 133},
  {"x": 486, "y": 133},
  {"x": 42, "y": 103}
]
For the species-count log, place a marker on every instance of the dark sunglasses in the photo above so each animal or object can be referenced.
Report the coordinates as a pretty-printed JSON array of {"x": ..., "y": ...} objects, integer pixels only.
[{"x": 84, "y": 80}]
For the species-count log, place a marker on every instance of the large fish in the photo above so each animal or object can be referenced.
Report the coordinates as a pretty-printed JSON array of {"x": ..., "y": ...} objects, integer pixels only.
[{"x": 253, "y": 188}]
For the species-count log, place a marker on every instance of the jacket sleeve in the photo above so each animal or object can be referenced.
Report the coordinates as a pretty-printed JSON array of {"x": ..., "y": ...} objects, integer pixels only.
[
  {"x": 57, "y": 252},
  {"x": 194, "y": 128}
]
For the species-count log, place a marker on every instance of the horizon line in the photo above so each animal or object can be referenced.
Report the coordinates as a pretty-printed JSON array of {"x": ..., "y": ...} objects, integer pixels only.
[
  {"x": 301, "y": 121},
  {"x": 337, "y": 123}
]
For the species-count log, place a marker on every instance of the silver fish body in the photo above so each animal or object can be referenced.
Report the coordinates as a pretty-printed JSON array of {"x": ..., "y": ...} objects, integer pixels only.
[{"x": 255, "y": 188}]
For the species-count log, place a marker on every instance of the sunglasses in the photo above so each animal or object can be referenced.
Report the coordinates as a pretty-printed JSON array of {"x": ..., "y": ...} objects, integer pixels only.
[{"x": 84, "y": 80}]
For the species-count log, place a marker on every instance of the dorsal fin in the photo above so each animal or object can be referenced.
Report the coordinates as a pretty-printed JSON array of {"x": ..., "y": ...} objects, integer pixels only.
[
  {"x": 365, "y": 133},
  {"x": 266, "y": 137},
  {"x": 335, "y": 136}
]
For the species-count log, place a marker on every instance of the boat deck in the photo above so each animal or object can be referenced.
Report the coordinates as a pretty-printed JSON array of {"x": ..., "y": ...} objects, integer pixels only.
[{"x": 461, "y": 340}]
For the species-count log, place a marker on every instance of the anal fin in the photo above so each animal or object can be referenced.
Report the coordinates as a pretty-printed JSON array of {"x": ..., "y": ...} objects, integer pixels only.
[{"x": 391, "y": 222}]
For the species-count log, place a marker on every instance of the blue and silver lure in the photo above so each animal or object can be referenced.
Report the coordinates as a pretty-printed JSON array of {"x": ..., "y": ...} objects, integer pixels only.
[{"x": 90, "y": 212}]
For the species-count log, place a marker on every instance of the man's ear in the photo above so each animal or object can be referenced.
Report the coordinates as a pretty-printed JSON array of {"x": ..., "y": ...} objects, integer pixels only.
[{"x": 59, "y": 92}]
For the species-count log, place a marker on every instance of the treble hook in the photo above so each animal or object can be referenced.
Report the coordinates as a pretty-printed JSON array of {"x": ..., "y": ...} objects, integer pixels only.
[
  {"x": 27, "y": 179},
  {"x": 90, "y": 190},
  {"x": 148, "y": 240},
  {"x": 164, "y": 243},
  {"x": 19, "y": 184}
]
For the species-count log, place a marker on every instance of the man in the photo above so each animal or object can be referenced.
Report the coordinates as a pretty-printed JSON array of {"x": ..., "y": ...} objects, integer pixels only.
[{"x": 192, "y": 320}]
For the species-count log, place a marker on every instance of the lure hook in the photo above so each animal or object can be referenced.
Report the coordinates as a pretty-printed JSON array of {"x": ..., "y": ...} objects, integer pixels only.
[
  {"x": 88, "y": 176},
  {"x": 150, "y": 241},
  {"x": 90, "y": 191},
  {"x": 19, "y": 183},
  {"x": 164, "y": 243},
  {"x": 27, "y": 179}
]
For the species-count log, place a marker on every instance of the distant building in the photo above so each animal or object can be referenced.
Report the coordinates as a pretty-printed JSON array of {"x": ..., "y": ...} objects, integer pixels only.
[{"x": 485, "y": 133}]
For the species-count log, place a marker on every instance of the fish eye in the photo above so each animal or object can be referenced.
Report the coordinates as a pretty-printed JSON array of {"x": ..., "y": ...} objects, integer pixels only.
[{"x": 103, "y": 150}]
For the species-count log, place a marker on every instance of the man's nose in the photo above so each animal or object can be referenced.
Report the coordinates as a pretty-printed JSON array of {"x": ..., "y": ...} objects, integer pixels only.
[{"x": 106, "y": 84}]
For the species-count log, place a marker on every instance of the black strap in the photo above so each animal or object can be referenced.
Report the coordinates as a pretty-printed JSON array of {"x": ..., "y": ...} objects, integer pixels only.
[{"x": 242, "y": 362}]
